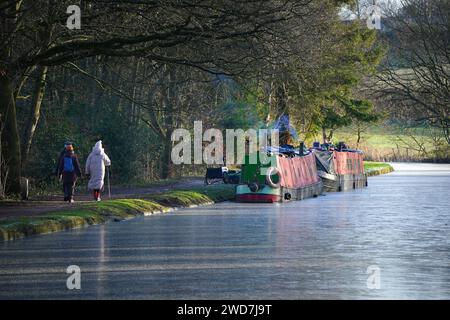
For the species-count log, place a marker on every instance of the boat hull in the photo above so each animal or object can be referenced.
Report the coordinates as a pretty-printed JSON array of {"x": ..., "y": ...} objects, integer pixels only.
[
  {"x": 305, "y": 192},
  {"x": 342, "y": 182},
  {"x": 265, "y": 195},
  {"x": 281, "y": 194}
]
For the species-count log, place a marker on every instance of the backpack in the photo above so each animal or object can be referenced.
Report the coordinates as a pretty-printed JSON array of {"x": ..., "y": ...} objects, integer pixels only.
[{"x": 68, "y": 164}]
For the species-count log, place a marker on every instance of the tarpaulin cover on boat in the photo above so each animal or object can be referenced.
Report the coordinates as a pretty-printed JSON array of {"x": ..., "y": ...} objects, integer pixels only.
[
  {"x": 324, "y": 161},
  {"x": 297, "y": 172},
  {"x": 335, "y": 162}
]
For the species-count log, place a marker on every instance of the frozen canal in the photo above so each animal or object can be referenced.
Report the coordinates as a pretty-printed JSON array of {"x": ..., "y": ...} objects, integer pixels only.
[{"x": 398, "y": 229}]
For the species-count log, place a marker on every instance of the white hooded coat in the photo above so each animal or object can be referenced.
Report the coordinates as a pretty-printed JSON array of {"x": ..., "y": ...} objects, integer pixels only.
[{"x": 95, "y": 166}]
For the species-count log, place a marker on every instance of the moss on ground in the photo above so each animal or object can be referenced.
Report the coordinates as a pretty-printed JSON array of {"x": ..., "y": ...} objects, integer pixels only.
[
  {"x": 14, "y": 228},
  {"x": 216, "y": 193},
  {"x": 83, "y": 214},
  {"x": 377, "y": 168},
  {"x": 194, "y": 195},
  {"x": 180, "y": 198}
]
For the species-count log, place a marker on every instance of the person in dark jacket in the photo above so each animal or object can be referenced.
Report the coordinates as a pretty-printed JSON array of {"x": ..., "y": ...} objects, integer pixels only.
[
  {"x": 61, "y": 155},
  {"x": 68, "y": 171}
]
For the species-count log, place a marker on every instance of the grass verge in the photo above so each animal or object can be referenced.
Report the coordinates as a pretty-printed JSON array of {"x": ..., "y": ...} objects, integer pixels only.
[
  {"x": 377, "y": 168},
  {"x": 84, "y": 214}
]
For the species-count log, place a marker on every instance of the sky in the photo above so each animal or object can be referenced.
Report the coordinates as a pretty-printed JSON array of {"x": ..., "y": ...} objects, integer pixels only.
[{"x": 364, "y": 6}]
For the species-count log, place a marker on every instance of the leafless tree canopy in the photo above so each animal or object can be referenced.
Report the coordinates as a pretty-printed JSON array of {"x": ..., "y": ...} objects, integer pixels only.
[{"x": 417, "y": 75}]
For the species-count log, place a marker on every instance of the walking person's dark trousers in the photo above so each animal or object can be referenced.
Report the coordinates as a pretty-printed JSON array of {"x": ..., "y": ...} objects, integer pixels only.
[{"x": 68, "y": 190}]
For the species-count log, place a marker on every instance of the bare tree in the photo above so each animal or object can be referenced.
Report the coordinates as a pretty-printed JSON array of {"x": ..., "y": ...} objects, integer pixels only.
[{"x": 417, "y": 75}]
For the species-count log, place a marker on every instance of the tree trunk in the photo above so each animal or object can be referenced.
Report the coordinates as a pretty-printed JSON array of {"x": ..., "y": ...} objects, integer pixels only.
[
  {"x": 330, "y": 135},
  {"x": 168, "y": 98},
  {"x": 39, "y": 87},
  {"x": 358, "y": 140},
  {"x": 324, "y": 135},
  {"x": 10, "y": 137},
  {"x": 35, "y": 112},
  {"x": 281, "y": 100},
  {"x": 166, "y": 161}
]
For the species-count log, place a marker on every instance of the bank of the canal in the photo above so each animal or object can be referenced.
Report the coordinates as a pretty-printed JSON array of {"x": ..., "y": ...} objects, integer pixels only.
[
  {"x": 90, "y": 213},
  {"x": 84, "y": 214},
  {"x": 377, "y": 168}
]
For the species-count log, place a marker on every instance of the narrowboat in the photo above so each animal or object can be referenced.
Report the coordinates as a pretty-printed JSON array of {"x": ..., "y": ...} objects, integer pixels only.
[
  {"x": 284, "y": 175},
  {"x": 340, "y": 168}
]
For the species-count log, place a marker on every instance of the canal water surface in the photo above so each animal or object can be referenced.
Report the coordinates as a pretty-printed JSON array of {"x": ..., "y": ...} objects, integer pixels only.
[{"x": 390, "y": 240}]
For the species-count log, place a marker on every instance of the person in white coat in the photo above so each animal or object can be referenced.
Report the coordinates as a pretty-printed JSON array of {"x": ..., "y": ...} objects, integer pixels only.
[{"x": 95, "y": 169}]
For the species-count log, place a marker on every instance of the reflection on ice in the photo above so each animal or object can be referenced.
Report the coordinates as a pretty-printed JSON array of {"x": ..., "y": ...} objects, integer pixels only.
[{"x": 314, "y": 248}]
